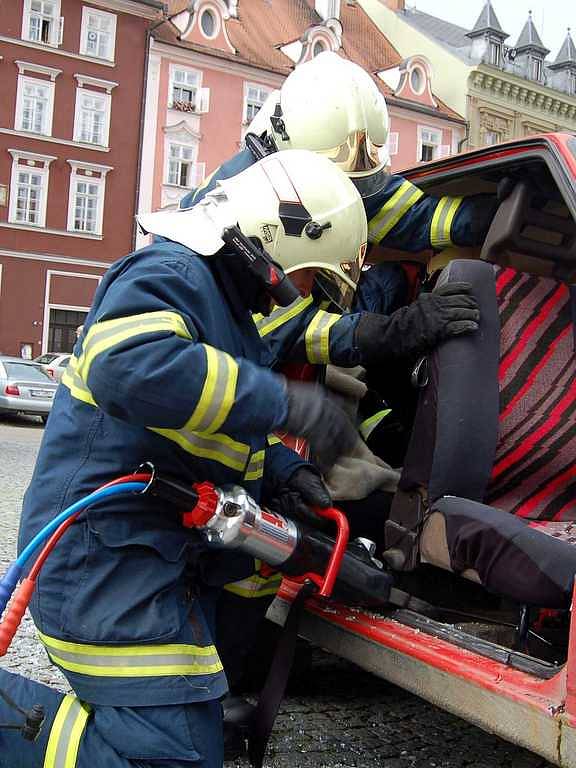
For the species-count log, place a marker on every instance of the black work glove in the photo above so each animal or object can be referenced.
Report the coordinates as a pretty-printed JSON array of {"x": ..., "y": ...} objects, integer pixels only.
[
  {"x": 416, "y": 329},
  {"x": 313, "y": 415},
  {"x": 303, "y": 490}
]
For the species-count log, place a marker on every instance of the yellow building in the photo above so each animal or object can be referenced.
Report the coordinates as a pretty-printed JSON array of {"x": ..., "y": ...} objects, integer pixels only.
[{"x": 505, "y": 91}]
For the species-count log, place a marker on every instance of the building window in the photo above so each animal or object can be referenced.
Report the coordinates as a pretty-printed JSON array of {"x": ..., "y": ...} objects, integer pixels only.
[
  {"x": 28, "y": 197},
  {"x": 536, "y": 68},
  {"x": 41, "y": 22},
  {"x": 495, "y": 53},
  {"x": 208, "y": 23},
  {"x": 86, "y": 200},
  {"x": 572, "y": 83},
  {"x": 392, "y": 143},
  {"x": 92, "y": 117},
  {"x": 28, "y": 188},
  {"x": 254, "y": 97},
  {"x": 184, "y": 89},
  {"x": 429, "y": 142},
  {"x": 98, "y": 36},
  {"x": 181, "y": 171},
  {"x": 492, "y": 137},
  {"x": 34, "y": 105},
  {"x": 318, "y": 47},
  {"x": 417, "y": 80}
]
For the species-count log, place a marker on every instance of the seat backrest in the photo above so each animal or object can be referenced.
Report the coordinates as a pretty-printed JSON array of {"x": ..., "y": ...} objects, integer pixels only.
[
  {"x": 534, "y": 473},
  {"x": 497, "y": 420}
]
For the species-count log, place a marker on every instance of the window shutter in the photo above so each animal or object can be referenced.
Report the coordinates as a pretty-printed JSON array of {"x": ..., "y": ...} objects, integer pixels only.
[
  {"x": 393, "y": 143},
  {"x": 203, "y": 100},
  {"x": 60, "y": 30}
]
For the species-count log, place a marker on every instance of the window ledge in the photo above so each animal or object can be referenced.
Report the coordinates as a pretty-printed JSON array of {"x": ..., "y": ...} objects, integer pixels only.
[
  {"x": 48, "y": 231},
  {"x": 54, "y": 140},
  {"x": 178, "y": 186},
  {"x": 52, "y": 49}
]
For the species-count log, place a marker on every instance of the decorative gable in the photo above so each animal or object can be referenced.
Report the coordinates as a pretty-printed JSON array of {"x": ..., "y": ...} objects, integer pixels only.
[
  {"x": 411, "y": 80},
  {"x": 204, "y": 23}
]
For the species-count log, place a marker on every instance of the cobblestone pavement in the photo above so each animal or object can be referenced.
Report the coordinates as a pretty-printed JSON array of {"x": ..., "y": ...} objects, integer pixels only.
[{"x": 338, "y": 717}]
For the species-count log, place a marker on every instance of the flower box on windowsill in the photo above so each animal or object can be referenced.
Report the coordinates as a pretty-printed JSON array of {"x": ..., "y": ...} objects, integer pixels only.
[{"x": 184, "y": 106}]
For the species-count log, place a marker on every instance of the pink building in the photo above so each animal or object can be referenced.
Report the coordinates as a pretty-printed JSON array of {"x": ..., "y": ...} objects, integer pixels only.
[{"x": 213, "y": 63}]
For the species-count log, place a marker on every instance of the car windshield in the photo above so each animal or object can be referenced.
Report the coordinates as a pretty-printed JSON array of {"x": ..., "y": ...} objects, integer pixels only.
[
  {"x": 26, "y": 372},
  {"x": 45, "y": 359}
]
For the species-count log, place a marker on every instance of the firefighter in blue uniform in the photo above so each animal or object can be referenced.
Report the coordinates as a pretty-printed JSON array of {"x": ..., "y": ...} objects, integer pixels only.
[
  {"x": 332, "y": 106},
  {"x": 168, "y": 369}
]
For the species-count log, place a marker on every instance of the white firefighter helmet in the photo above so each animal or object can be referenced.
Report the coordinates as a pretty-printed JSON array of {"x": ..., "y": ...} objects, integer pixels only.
[
  {"x": 304, "y": 210},
  {"x": 332, "y": 106}
]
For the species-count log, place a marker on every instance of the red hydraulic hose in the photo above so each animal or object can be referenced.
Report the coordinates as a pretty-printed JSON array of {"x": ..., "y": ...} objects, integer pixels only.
[{"x": 23, "y": 594}]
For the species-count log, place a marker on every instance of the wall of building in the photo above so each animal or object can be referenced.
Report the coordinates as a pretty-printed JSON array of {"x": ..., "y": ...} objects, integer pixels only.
[
  {"x": 450, "y": 72},
  {"x": 408, "y": 124},
  {"x": 30, "y": 253}
]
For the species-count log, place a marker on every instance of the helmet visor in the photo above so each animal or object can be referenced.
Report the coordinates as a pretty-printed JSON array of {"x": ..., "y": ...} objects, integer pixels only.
[
  {"x": 358, "y": 154},
  {"x": 339, "y": 286}
]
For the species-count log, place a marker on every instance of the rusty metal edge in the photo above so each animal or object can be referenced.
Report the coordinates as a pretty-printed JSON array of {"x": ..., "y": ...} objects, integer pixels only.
[{"x": 550, "y": 736}]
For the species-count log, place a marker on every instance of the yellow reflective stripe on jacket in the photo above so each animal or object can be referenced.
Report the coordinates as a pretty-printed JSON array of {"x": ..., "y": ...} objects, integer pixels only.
[
  {"x": 442, "y": 219},
  {"x": 369, "y": 425},
  {"x": 217, "y": 447},
  {"x": 393, "y": 210},
  {"x": 281, "y": 315},
  {"x": 66, "y": 732},
  {"x": 317, "y": 336},
  {"x": 273, "y": 439},
  {"x": 256, "y": 586},
  {"x": 218, "y": 393},
  {"x": 255, "y": 468},
  {"x": 72, "y": 380},
  {"x": 108, "y": 333},
  {"x": 133, "y": 660}
]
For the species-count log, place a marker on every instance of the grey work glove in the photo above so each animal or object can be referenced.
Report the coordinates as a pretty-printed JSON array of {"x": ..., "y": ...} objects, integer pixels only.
[
  {"x": 313, "y": 415},
  {"x": 303, "y": 490},
  {"x": 416, "y": 329}
]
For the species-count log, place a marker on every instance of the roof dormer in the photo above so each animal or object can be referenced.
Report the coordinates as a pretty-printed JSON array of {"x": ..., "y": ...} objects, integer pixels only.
[
  {"x": 316, "y": 39},
  {"x": 411, "y": 80},
  {"x": 531, "y": 52},
  {"x": 487, "y": 37},
  {"x": 204, "y": 23}
]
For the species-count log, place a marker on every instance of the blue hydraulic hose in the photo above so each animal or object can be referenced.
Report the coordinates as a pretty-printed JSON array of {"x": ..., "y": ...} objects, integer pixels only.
[
  {"x": 49, "y": 529},
  {"x": 11, "y": 577}
]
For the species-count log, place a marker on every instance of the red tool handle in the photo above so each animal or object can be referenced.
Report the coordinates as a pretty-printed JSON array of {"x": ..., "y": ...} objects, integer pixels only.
[
  {"x": 14, "y": 614},
  {"x": 326, "y": 583}
]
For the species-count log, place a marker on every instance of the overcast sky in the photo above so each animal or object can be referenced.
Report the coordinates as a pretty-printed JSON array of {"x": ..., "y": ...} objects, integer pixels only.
[{"x": 551, "y": 17}]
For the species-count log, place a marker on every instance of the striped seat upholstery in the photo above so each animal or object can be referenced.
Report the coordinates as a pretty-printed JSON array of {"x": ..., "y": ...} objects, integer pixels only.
[{"x": 534, "y": 473}]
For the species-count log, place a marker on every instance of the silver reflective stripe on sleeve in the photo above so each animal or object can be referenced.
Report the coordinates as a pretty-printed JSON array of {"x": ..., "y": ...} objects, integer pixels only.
[
  {"x": 218, "y": 393},
  {"x": 281, "y": 315},
  {"x": 441, "y": 226},
  {"x": 65, "y": 734},
  {"x": 317, "y": 337},
  {"x": 392, "y": 211}
]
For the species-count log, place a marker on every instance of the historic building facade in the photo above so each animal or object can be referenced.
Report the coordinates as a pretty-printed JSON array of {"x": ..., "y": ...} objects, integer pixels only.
[
  {"x": 212, "y": 64},
  {"x": 72, "y": 75},
  {"x": 506, "y": 89}
]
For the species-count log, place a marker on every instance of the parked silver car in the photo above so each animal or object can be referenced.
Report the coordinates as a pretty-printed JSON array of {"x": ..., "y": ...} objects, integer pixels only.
[
  {"x": 54, "y": 363},
  {"x": 25, "y": 387}
]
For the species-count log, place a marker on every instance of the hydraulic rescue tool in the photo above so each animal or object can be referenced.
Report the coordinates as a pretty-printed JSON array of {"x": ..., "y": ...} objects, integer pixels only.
[{"x": 227, "y": 518}]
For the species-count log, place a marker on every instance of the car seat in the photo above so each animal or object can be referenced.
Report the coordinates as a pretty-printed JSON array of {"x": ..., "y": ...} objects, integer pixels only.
[{"x": 488, "y": 488}]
